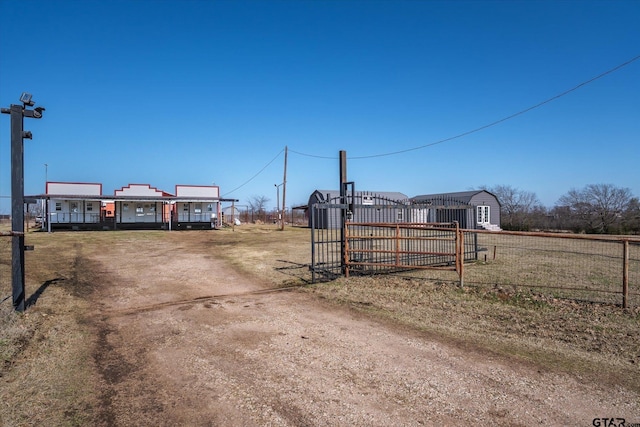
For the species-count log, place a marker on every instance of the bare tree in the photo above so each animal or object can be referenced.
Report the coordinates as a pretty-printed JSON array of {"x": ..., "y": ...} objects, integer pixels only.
[
  {"x": 631, "y": 217},
  {"x": 598, "y": 207},
  {"x": 258, "y": 204},
  {"x": 516, "y": 206}
]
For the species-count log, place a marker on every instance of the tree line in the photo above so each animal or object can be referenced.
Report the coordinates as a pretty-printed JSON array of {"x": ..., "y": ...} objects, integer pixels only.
[{"x": 596, "y": 208}]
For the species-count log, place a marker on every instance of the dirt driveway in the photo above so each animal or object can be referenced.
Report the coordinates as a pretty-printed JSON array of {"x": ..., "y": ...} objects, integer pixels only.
[{"x": 187, "y": 340}]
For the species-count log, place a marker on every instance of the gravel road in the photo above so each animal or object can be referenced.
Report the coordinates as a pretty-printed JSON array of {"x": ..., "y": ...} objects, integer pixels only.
[{"x": 193, "y": 343}]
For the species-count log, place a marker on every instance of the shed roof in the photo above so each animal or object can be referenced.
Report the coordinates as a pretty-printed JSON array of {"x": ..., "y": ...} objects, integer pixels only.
[
  {"x": 130, "y": 192},
  {"x": 392, "y": 195},
  {"x": 460, "y": 196}
]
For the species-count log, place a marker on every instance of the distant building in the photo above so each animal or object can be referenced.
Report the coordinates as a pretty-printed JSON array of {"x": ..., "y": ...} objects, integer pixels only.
[
  {"x": 82, "y": 206},
  {"x": 141, "y": 206},
  {"x": 329, "y": 218},
  {"x": 196, "y": 206},
  {"x": 472, "y": 209}
]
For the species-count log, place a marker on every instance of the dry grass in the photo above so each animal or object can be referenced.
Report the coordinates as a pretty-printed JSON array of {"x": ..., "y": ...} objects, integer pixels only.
[
  {"x": 47, "y": 372},
  {"x": 536, "y": 325},
  {"x": 593, "y": 340},
  {"x": 46, "y": 352}
]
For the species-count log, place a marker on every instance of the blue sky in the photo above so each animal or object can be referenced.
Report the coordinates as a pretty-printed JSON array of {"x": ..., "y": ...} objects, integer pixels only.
[{"x": 197, "y": 92}]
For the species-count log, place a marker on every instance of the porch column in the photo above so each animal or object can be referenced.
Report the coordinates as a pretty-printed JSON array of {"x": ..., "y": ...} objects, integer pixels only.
[{"x": 48, "y": 214}]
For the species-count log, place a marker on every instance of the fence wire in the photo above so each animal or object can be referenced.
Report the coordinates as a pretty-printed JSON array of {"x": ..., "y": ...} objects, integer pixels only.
[
  {"x": 585, "y": 268},
  {"x": 564, "y": 266}
]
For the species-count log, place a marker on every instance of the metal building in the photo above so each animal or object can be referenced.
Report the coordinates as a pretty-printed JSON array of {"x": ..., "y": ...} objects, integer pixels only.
[
  {"x": 447, "y": 207},
  {"x": 388, "y": 207}
]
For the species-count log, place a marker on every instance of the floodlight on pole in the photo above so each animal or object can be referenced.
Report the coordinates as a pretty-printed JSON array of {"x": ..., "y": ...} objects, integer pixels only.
[{"x": 18, "y": 134}]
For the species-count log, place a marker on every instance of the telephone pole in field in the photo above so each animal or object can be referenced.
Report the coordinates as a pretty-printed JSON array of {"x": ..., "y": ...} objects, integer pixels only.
[{"x": 284, "y": 188}]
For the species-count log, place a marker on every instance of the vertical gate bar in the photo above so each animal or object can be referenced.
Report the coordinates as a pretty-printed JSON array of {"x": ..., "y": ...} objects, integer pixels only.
[
  {"x": 457, "y": 251},
  {"x": 397, "y": 240},
  {"x": 346, "y": 250},
  {"x": 461, "y": 257},
  {"x": 313, "y": 243},
  {"x": 329, "y": 245}
]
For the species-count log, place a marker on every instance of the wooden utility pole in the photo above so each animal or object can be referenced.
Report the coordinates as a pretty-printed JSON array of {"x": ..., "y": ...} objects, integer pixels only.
[{"x": 284, "y": 188}]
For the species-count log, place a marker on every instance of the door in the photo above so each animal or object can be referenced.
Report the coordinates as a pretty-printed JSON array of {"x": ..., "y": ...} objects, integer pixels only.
[{"x": 483, "y": 214}]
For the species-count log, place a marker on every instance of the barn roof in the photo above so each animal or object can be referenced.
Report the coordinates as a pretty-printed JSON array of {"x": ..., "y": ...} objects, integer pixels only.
[
  {"x": 392, "y": 195},
  {"x": 460, "y": 196}
]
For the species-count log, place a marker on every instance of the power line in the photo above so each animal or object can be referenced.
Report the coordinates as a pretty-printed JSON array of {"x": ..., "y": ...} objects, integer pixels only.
[
  {"x": 254, "y": 176},
  {"x": 526, "y": 110}
]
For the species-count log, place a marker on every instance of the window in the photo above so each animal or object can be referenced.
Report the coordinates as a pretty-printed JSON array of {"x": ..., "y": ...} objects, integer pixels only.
[
  {"x": 74, "y": 206},
  {"x": 185, "y": 207},
  {"x": 400, "y": 216},
  {"x": 125, "y": 207},
  {"x": 89, "y": 207},
  {"x": 210, "y": 207},
  {"x": 139, "y": 208},
  {"x": 58, "y": 206},
  {"x": 198, "y": 208},
  {"x": 152, "y": 208}
]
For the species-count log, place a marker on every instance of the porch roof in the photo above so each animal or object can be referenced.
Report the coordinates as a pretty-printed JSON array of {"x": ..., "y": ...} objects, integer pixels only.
[{"x": 109, "y": 198}]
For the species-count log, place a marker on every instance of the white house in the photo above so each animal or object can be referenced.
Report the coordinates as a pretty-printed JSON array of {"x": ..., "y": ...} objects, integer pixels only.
[
  {"x": 197, "y": 206},
  {"x": 141, "y": 204},
  {"x": 82, "y": 206},
  {"x": 70, "y": 203}
]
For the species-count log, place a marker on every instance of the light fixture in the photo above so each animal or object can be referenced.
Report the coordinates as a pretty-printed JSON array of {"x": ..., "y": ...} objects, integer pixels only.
[{"x": 25, "y": 98}]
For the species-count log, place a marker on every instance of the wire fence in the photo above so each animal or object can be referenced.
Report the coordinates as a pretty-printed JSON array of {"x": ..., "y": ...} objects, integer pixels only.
[
  {"x": 595, "y": 268},
  {"x": 589, "y": 268}
]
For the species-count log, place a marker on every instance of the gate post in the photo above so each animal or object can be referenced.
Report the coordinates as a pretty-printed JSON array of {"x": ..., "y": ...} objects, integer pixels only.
[
  {"x": 312, "y": 212},
  {"x": 460, "y": 253},
  {"x": 343, "y": 211}
]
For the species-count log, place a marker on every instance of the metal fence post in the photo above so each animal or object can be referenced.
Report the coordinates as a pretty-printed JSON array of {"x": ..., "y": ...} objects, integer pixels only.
[
  {"x": 312, "y": 212},
  {"x": 460, "y": 253},
  {"x": 625, "y": 273}
]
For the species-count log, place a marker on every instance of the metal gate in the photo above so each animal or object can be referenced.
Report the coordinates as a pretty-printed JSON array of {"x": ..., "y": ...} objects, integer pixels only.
[{"x": 369, "y": 234}]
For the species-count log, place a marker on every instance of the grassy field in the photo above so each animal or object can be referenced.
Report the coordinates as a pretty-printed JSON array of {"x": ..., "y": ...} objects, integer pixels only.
[{"x": 48, "y": 349}]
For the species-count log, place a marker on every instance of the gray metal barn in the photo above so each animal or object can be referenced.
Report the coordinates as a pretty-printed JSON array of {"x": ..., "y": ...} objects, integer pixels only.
[
  {"x": 485, "y": 212},
  {"x": 471, "y": 209},
  {"x": 386, "y": 202}
]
